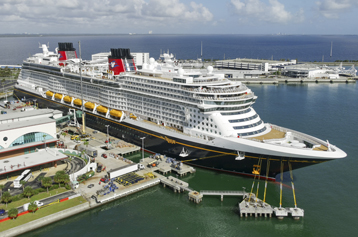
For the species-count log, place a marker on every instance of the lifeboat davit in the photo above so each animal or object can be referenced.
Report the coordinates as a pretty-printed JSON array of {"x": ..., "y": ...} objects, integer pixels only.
[
  {"x": 102, "y": 109},
  {"x": 89, "y": 105},
  {"x": 58, "y": 96},
  {"x": 77, "y": 102},
  {"x": 67, "y": 99},
  {"x": 115, "y": 113},
  {"x": 49, "y": 93},
  {"x": 132, "y": 116}
]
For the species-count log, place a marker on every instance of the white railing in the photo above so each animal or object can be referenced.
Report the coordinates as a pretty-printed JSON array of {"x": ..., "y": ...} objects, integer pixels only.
[{"x": 85, "y": 169}]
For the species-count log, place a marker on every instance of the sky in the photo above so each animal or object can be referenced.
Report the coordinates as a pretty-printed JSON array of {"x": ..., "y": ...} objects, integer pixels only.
[{"x": 179, "y": 16}]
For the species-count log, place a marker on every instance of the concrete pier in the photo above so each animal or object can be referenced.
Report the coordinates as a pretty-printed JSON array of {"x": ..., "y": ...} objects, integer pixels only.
[
  {"x": 296, "y": 213},
  {"x": 160, "y": 165},
  {"x": 254, "y": 206},
  {"x": 195, "y": 196},
  {"x": 176, "y": 184},
  {"x": 281, "y": 212},
  {"x": 295, "y": 81}
]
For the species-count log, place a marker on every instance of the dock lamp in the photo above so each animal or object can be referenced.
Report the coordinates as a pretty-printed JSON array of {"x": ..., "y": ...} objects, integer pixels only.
[
  {"x": 107, "y": 136},
  {"x": 142, "y": 138}
]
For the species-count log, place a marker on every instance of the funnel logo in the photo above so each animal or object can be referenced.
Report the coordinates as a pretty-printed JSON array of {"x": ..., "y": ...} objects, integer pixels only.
[
  {"x": 62, "y": 55},
  {"x": 114, "y": 64}
]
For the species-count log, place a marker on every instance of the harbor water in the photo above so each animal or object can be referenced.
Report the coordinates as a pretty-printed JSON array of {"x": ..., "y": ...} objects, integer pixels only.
[{"x": 325, "y": 191}]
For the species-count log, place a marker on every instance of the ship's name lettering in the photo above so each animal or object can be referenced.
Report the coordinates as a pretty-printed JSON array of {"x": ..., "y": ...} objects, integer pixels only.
[{"x": 171, "y": 141}]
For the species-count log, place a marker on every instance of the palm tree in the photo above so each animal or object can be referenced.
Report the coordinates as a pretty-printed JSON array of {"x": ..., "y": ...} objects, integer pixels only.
[
  {"x": 12, "y": 213},
  {"x": 61, "y": 177},
  {"x": 1, "y": 188},
  {"x": 28, "y": 192},
  {"x": 57, "y": 178},
  {"x": 6, "y": 197},
  {"x": 44, "y": 139},
  {"x": 23, "y": 182},
  {"x": 32, "y": 207},
  {"x": 46, "y": 182}
]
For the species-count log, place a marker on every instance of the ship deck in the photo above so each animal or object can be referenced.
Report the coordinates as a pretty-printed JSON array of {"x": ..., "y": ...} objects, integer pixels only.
[
  {"x": 321, "y": 148},
  {"x": 273, "y": 134}
]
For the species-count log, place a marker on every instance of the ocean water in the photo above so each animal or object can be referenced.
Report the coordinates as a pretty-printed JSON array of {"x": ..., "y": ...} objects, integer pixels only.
[
  {"x": 301, "y": 47},
  {"x": 327, "y": 192}
]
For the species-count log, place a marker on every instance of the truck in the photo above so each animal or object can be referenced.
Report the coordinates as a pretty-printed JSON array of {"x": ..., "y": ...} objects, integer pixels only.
[
  {"x": 99, "y": 167},
  {"x": 89, "y": 150},
  {"x": 38, "y": 204},
  {"x": 85, "y": 176},
  {"x": 124, "y": 170}
]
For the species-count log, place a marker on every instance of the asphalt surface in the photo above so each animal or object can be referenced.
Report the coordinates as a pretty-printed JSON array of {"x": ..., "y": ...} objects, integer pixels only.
[{"x": 46, "y": 201}]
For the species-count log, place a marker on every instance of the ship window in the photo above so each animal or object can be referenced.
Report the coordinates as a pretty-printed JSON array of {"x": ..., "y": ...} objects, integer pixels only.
[{"x": 219, "y": 133}]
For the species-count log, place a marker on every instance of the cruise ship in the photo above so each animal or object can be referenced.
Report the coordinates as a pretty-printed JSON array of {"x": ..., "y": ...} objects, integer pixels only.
[{"x": 195, "y": 116}]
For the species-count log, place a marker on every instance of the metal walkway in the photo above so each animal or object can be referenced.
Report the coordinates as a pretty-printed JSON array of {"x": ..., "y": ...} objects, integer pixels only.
[{"x": 222, "y": 193}]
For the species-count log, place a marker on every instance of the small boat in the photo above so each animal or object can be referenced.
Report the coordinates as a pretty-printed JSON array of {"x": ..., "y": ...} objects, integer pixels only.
[
  {"x": 240, "y": 155},
  {"x": 184, "y": 153}
]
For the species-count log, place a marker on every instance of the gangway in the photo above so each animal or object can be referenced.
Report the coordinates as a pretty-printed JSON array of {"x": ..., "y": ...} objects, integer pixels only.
[{"x": 222, "y": 193}]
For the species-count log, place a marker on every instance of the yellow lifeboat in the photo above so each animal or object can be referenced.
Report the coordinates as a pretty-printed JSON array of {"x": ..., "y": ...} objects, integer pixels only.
[
  {"x": 89, "y": 105},
  {"x": 58, "y": 96},
  {"x": 77, "y": 102},
  {"x": 102, "y": 109},
  {"x": 132, "y": 116},
  {"x": 67, "y": 99},
  {"x": 49, "y": 93},
  {"x": 115, "y": 113}
]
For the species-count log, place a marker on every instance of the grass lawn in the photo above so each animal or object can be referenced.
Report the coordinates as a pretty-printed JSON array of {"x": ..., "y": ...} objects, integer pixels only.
[
  {"x": 33, "y": 198},
  {"x": 41, "y": 213}
]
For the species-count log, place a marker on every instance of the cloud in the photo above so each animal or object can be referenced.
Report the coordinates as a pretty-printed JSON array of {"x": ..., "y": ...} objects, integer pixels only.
[
  {"x": 103, "y": 13},
  {"x": 333, "y": 8},
  {"x": 273, "y": 12},
  {"x": 174, "y": 9}
]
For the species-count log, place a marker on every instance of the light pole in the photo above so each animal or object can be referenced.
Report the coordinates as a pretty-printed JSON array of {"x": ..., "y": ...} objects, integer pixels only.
[
  {"x": 107, "y": 136},
  {"x": 142, "y": 138},
  {"x": 44, "y": 136}
]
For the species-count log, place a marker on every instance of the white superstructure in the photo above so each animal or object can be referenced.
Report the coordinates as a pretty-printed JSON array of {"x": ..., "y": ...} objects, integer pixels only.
[{"x": 202, "y": 107}]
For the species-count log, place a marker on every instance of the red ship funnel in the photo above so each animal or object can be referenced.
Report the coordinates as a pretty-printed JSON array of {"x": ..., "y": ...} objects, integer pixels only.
[
  {"x": 116, "y": 65},
  {"x": 121, "y": 61},
  {"x": 66, "y": 51}
]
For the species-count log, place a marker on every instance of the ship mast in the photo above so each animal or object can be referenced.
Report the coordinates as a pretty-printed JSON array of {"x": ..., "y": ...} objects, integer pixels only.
[{"x": 82, "y": 107}]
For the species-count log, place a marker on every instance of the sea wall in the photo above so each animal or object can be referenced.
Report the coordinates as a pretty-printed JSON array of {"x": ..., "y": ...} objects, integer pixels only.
[{"x": 45, "y": 221}]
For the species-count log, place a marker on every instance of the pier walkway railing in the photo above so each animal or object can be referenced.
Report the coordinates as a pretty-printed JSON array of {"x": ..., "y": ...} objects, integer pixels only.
[{"x": 222, "y": 193}]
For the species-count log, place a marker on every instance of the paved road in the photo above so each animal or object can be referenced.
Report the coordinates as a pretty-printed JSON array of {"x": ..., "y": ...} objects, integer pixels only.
[{"x": 46, "y": 201}]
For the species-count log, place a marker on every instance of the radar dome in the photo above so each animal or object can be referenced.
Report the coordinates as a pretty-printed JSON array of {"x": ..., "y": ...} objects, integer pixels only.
[
  {"x": 181, "y": 71},
  {"x": 210, "y": 69},
  {"x": 151, "y": 60}
]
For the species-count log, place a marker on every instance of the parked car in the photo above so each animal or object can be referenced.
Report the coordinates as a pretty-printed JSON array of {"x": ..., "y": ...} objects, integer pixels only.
[
  {"x": 104, "y": 155},
  {"x": 2, "y": 212},
  {"x": 90, "y": 186},
  {"x": 104, "y": 180}
]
